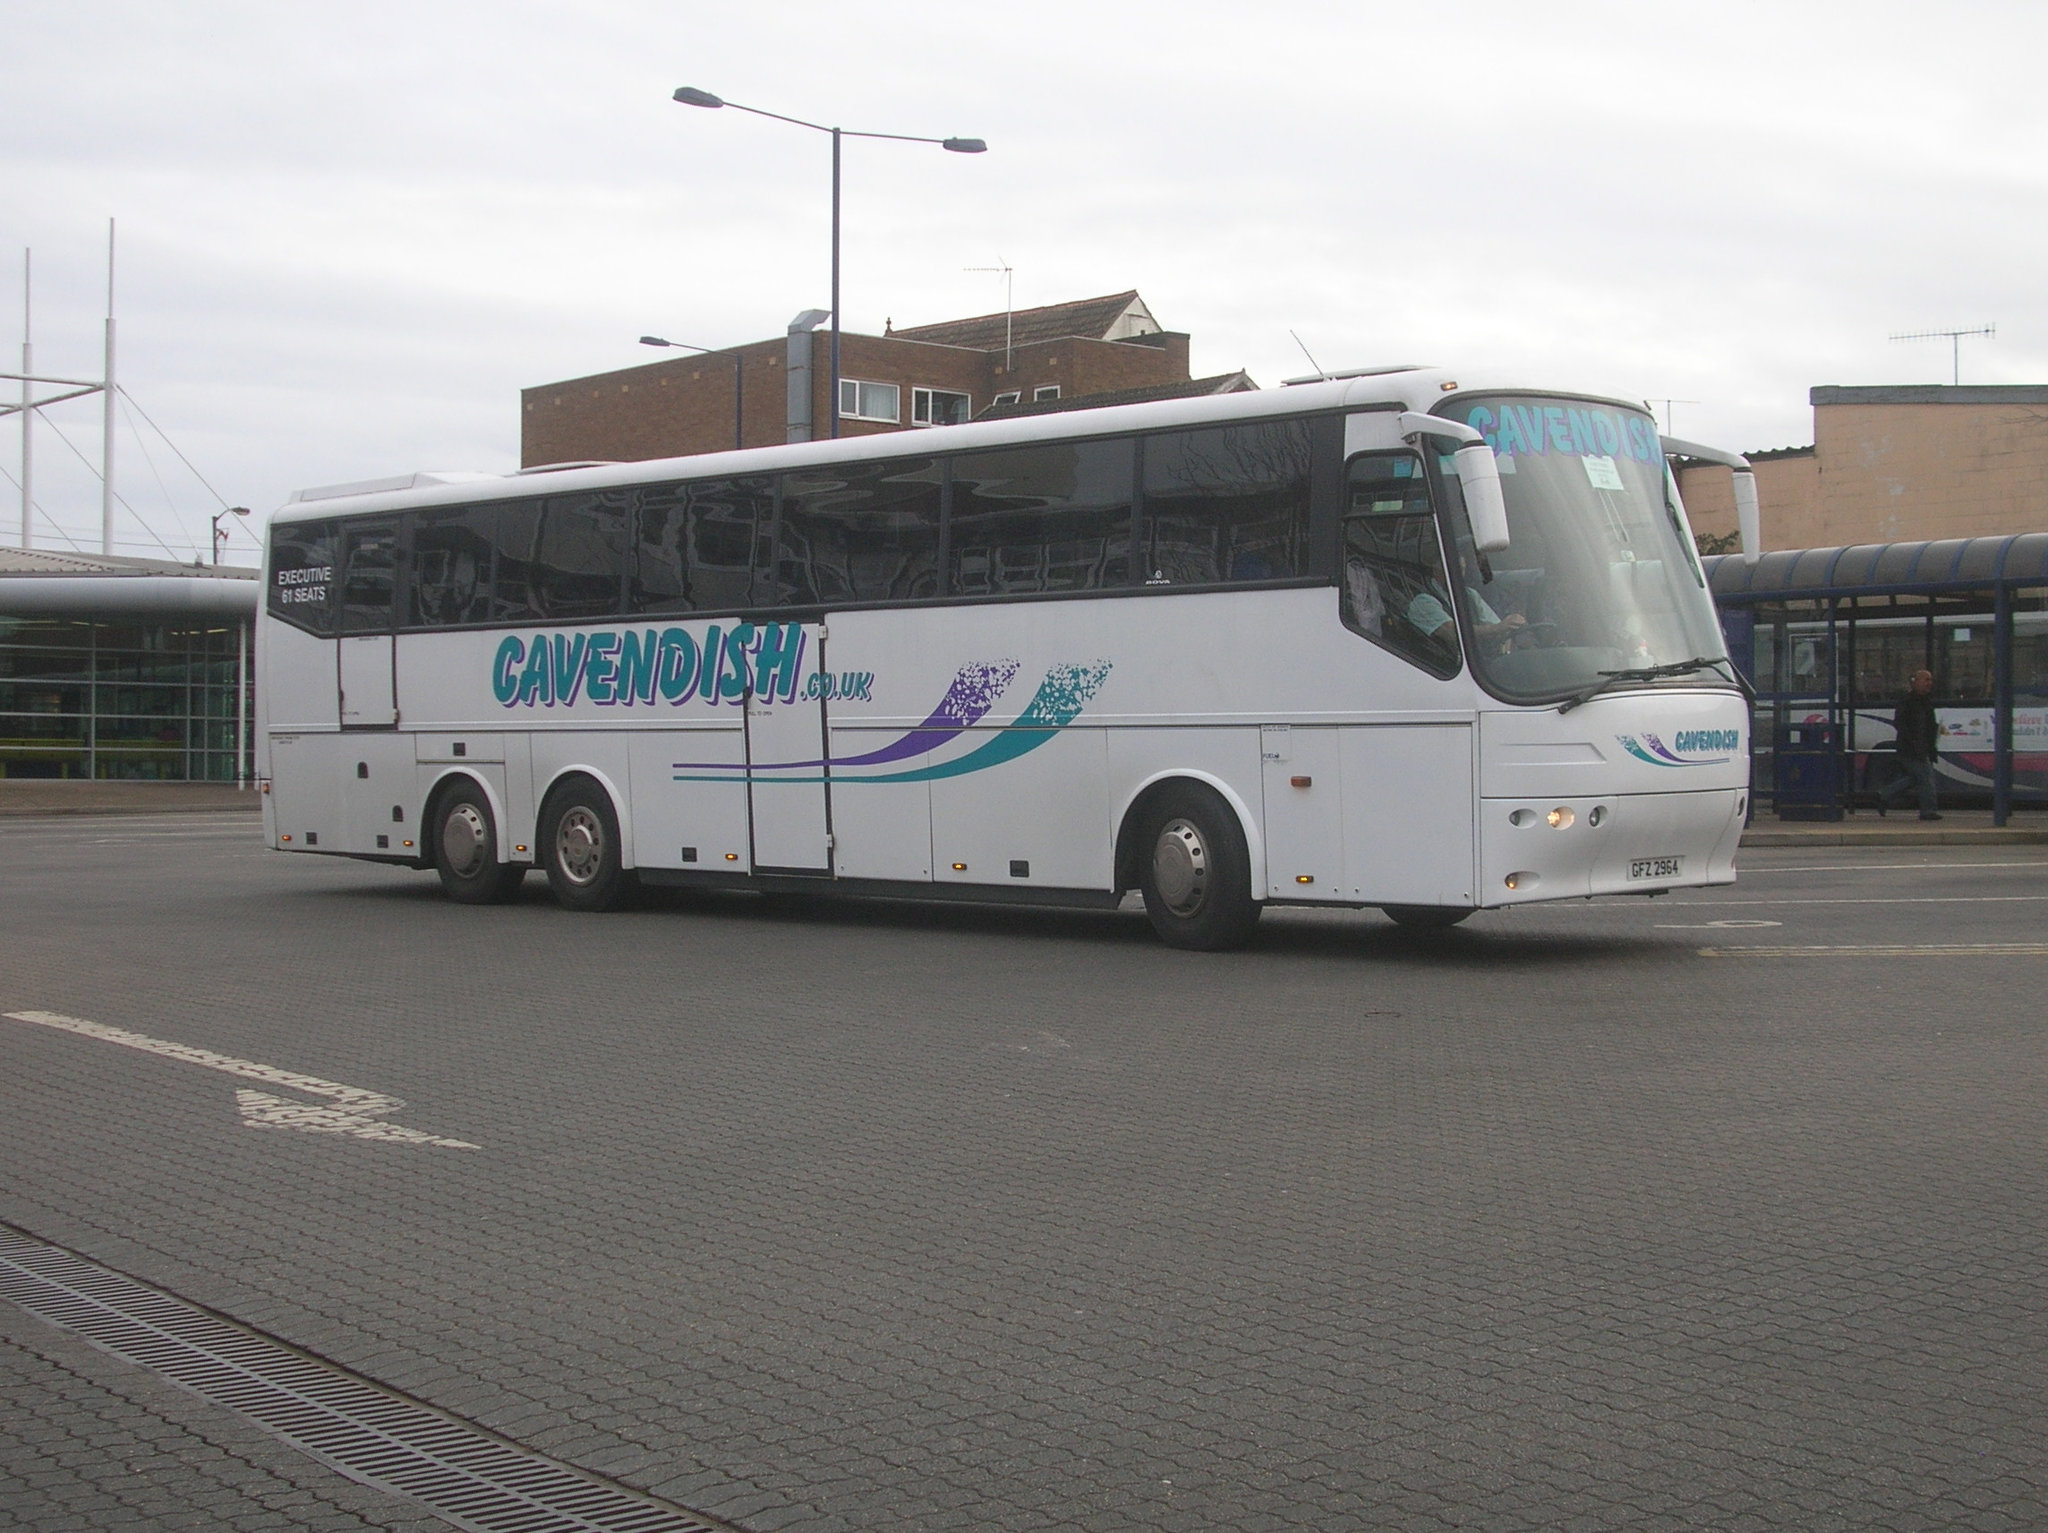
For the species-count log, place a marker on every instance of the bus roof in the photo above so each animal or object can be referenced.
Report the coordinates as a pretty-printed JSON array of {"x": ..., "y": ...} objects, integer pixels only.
[{"x": 1407, "y": 388}]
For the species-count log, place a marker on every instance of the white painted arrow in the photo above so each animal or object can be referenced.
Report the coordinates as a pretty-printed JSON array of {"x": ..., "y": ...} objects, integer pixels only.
[{"x": 359, "y": 1113}]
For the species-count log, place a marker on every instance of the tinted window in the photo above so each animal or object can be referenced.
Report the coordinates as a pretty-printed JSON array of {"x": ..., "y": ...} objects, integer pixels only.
[
  {"x": 868, "y": 532},
  {"x": 1230, "y": 503},
  {"x": 303, "y": 556},
  {"x": 514, "y": 533},
  {"x": 452, "y": 557},
  {"x": 1394, "y": 588},
  {"x": 369, "y": 581},
  {"x": 696, "y": 546},
  {"x": 581, "y": 557},
  {"x": 1050, "y": 518}
]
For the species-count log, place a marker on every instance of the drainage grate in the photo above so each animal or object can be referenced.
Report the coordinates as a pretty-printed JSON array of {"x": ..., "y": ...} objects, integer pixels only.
[{"x": 367, "y": 1433}]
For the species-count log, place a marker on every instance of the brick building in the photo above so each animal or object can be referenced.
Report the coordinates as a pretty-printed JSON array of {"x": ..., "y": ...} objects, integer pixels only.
[
  {"x": 1895, "y": 464},
  {"x": 1096, "y": 350}
]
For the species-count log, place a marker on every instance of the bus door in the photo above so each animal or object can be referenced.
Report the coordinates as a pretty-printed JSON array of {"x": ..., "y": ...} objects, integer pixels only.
[
  {"x": 369, "y": 590},
  {"x": 788, "y": 794}
]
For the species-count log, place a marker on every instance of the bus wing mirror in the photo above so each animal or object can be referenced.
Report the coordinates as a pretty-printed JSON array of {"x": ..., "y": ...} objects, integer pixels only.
[
  {"x": 1485, "y": 505},
  {"x": 1747, "y": 521},
  {"x": 1748, "y": 518},
  {"x": 1478, "y": 475}
]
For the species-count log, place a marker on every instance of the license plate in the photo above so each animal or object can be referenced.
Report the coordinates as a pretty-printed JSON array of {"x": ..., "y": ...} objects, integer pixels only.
[{"x": 1655, "y": 867}]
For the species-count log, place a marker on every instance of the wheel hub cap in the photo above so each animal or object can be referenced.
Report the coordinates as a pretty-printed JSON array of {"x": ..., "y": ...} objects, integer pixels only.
[
  {"x": 579, "y": 845},
  {"x": 1180, "y": 867},
  {"x": 464, "y": 837}
]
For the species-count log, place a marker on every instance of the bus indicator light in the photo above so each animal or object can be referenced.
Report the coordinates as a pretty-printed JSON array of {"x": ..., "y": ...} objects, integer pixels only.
[
  {"x": 1304, "y": 878},
  {"x": 959, "y": 867}
]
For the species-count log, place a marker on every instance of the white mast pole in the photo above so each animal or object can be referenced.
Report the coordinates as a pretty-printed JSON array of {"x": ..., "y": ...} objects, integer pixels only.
[
  {"x": 28, "y": 414},
  {"x": 107, "y": 430}
]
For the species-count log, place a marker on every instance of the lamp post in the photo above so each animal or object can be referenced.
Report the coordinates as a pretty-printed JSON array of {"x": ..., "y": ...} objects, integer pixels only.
[
  {"x": 220, "y": 533},
  {"x": 689, "y": 95},
  {"x": 739, "y": 384}
]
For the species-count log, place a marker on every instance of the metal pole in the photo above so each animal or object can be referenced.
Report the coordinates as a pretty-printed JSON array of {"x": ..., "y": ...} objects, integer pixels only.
[
  {"x": 2001, "y": 706},
  {"x": 833, "y": 402},
  {"x": 242, "y": 702},
  {"x": 107, "y": 429},
  {"x": 28, "y": 414}
]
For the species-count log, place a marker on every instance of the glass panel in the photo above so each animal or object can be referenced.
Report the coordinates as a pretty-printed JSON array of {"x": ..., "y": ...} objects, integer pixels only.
[
  {"x": 44, "y": 664},
  {"x": 61, "y": 633},
  {"x": 865, "y": 533},
  {"x": 369, "y": 584},
  {"x": 451, "y": 564},
  {"x": 696, "y": 546},
  {"x": 302, "y": 560},
  {"x": 515, "y": 535},
  {"x": 582, "y": 556},
  {"x": 1599, "y": 574},
  {"x": 1230, "y": 503},
  {"x": 1395, "y": 591},
  {"x": 1050, "y": 518}
]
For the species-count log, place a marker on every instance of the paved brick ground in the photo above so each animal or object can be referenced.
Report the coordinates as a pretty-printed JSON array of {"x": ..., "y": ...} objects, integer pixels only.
[
  {"x": 88, "y": 1442},
  {"x": 840, "y": 1217}
]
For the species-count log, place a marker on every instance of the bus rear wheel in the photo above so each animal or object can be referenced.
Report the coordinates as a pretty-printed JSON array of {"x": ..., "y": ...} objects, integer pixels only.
[
  {"x": 1429, "y": 918},
  {"x": 1195, "y": 872},
  {"x": 579, "y": 843},
  {"x": 465, "y": 848}
]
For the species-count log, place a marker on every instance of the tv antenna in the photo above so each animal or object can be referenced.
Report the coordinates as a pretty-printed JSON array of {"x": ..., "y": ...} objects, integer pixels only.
[
  {"x": 1009, "y": 274},
  {"x": 1312, "y": 362},
  {"x": 1670, "y": 416},
  {"x": 1955, "y": 344}
]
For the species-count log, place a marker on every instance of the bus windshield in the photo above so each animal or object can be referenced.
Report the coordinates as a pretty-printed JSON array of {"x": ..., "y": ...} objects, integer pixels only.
[{"x": 1600, "y": 574}]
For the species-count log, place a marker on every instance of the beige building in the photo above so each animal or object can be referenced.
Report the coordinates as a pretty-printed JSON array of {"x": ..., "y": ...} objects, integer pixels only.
[{"x": 1894, "y": 464}]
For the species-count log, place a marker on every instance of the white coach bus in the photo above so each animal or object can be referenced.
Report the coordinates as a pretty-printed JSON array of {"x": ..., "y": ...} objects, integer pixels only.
[{"x": 1382, "y": 640}]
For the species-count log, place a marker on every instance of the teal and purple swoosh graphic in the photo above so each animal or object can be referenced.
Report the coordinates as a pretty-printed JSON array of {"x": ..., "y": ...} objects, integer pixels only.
[
  {"x": 1067, "y": 689},
  {"x": 1654, "y": 751}
]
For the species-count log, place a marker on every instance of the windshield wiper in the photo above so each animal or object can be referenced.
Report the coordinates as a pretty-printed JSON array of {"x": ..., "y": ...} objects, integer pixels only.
[{"x": 1609, "y": 679}]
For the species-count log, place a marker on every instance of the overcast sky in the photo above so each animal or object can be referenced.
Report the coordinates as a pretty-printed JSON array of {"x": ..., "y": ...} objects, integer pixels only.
[{"x": 349, "y": 234}]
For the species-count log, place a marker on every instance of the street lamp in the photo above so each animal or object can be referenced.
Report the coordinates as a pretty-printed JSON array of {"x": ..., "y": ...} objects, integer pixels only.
[
  {"x": 739, "y": 385},
  {"x": 689, "y": 95},
  {"x": 220, "y": 533}
]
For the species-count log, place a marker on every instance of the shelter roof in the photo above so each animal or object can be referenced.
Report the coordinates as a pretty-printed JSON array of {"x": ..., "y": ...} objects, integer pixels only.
[{"x": 1874, "y": 568}]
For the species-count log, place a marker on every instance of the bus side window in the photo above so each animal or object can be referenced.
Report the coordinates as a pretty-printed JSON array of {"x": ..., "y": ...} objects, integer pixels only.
[
  {"x": 302, "y": 560},
  {"x": 581, "y": 559},
  {"x": 451, "y": 567},
  {"x": 1055, "y": 517},
  {"x": 868, "y": 532},
  {"x": 515, "y": 543},
  {"x": 696, "y": 546},
  {"x": 369, "y": 584},
  {"x": 1394, "y": 590},
  {"x": 1228, "y": 504}
]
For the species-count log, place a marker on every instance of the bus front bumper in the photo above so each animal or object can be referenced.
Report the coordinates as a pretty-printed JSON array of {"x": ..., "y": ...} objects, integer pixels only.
[{"x": 1622, "y": 843}]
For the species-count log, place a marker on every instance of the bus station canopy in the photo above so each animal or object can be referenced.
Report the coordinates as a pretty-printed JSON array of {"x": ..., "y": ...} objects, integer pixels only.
[{"x": 1872, "y": 568}]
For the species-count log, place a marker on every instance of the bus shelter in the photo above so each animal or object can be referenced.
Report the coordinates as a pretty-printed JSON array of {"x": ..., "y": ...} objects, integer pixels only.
[{"x": 1830, "y": 638}]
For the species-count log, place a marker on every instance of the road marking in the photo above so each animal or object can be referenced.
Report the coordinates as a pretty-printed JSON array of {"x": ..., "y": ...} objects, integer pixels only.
[
  {"x": 1912, "y": 899},
  {"x": 1700, "y": 926},
  {"x": 1889, "y": 950},
  {"x": 1889, "y": 867},
  {"x": 360, "y": 1113}
]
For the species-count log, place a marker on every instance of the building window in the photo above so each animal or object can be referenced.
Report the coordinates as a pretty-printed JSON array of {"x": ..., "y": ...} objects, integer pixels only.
[
  {"x": 1046, "y": 391},
  {"x": 940, "y": 407},
  {"x": 870, "y": 401},
  {"x": 1010, "y": 398}
]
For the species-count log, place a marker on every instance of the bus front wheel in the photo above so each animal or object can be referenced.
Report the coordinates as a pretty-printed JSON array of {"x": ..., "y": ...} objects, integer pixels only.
[
  {"x": 579, "y": 842},
  {"x": 1195, "y": 872},
  {"x": 466, "y": 850}
]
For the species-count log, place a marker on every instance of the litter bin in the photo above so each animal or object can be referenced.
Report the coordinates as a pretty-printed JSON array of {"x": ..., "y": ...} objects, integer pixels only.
[{"x": 1807, "y": 772}]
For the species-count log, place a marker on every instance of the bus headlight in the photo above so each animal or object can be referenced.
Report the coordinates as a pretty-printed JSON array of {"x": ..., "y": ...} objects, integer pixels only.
[{"x": 1560, "y": 818}]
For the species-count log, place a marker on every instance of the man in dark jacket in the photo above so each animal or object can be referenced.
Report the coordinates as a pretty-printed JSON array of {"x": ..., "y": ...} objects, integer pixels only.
[{"x": 1918, "y": 733}]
